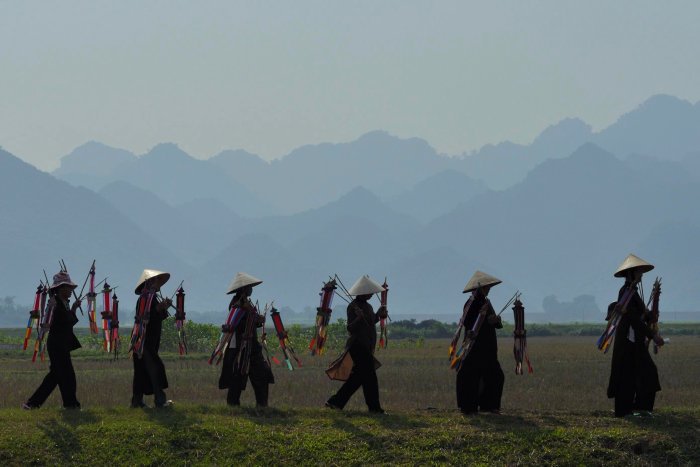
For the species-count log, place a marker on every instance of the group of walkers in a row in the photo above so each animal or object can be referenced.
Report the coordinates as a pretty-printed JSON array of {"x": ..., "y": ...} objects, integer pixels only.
[{"x": 479, "y": 385}]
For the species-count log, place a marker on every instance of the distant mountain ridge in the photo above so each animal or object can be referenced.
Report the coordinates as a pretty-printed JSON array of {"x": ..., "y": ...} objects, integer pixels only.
[
  {"x": 505, "y": 164},
  {"x": 43, "y": 219},
  {"x": 92, "y": 164},
  {"x": 571, "y": 220},
  {"x": 567, "y": 212},
  {"x": 663, "y": 126},
  {"x": 166, "y": 170},
  {"x": 437, "y": 195}
]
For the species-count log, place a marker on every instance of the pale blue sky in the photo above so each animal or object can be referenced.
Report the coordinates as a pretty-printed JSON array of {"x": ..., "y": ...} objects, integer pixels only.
[{"x": 270, "y": 76}]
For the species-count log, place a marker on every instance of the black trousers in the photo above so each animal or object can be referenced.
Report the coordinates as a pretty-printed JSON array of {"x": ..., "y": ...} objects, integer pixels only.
[
  {"x": 260, "y": 376},
  {"x": 631, "y": 394},
  {"x": 362, "y": 374},
  {"x": 628, "y": 400},
  {"x": 61, "y": 374},
  {"x": 148, "y": 368},
  {"x": 479, "y": 385}
]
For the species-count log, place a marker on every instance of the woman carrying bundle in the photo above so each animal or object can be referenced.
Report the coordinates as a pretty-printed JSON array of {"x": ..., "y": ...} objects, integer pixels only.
[
  {"x": 243, "y": 357},
  {"x": 634, "y": 379},
  {"x": 357, "y": 365},
  {"x": 60, "y": 342},
  {"x": 479, "y": 376},
  {"x": 149, "y": 370}
]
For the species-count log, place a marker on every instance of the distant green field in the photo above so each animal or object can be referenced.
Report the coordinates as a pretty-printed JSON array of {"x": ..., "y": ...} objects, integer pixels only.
[{"x": 559, "y": 414}]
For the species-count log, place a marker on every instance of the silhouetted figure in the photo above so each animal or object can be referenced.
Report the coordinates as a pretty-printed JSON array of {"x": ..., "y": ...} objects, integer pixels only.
[
  {"x": 243, "y": 359},
  {"x": 358, "y": 358},
  {"x": 60, "y": 342},
  {"x": 149, "y": 370},
  {"x": 634, "y": 379},
  {"x": 480, "y": 378}
]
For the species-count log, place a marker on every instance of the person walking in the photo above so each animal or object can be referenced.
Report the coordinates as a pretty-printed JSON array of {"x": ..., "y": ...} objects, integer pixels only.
[
  {"x": 634, "y": 379},
  {"x": 60, "y": 343},
  {"x": 149, "y": 371},
  {"x": 480, "y": 377},
  {"x": 357, "y": 365},
  {"x": 243, "y": 358}
]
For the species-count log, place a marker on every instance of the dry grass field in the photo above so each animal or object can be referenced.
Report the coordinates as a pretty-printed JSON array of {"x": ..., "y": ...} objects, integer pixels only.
[
  {"x": 570, "y": 375},
  {"x": 557, "y": 416}
]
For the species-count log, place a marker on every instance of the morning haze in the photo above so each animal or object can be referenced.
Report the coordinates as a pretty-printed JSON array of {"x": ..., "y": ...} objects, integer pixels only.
[
  {"x": 315, "y": 196},
  {"x": 395, "y": 139},
  {"x": 553, "y": 227},
  {"x": 272, "y": 77}
]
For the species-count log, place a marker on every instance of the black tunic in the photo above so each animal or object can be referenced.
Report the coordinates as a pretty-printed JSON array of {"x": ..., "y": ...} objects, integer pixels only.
[
  {"x": 361, "y": 325},
  {"x": 60, "y": 342},
  {"x": 61, "y": 335},
  {"x": 485, "y": 347},
  {"x": 151, "y": 346},
  {"x": 259, "y": 370},
  {"x": 360, "y": 347},
  {"x": 480, "y": 378},
  {"x": 632, "y": 359}
]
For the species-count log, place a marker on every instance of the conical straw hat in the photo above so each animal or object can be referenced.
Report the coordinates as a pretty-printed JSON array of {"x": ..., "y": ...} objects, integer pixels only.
[
  {"x": 365, "y": 286},
  {"x": 62, "y": 278},
  {"x": 633, "y": 262},
  {"x": 241, "y": 280},
  {"x": 480, "y": 279},
  {"x": 147, "y": 274}
]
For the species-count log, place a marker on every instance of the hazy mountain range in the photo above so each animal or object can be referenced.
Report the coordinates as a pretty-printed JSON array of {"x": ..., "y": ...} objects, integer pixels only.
[{"x": 551, "y": 218}]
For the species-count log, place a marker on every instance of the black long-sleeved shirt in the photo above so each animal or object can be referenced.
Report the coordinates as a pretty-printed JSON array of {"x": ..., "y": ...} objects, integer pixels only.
[
  {"x": 361, "y": 324},
  {"x": 633, "y": 318},
  {"x": 486, "y": 343},
  {"x": 61, "y": 331}
]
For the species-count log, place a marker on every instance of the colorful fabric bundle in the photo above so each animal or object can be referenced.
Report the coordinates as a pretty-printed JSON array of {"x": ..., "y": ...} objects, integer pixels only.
[
  {"x": 323, "y": 317},
  {"x": 106, "y": 317},
  {"x": 35, "y": 313},
  {"x": 653, "y": 315},
  {"x": 383, "y": 336},
  {"x": 44, "y": 327},
  {"x": 615, "y": 312},
  {"x": 91, "y": 299},
  {"x": 180, "y": 320},
  {"x": 452, "y": 351},
  {"x": 458, "y": 356},
  {"x": 228, "y": 329},
  {"x": 285, "y": 344},
  {"x": 520, "y": 339},
  {"x": 242, "y": 361},
  {"x": 143, "y": 316},
  {"x": 114, "y": 339}
]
